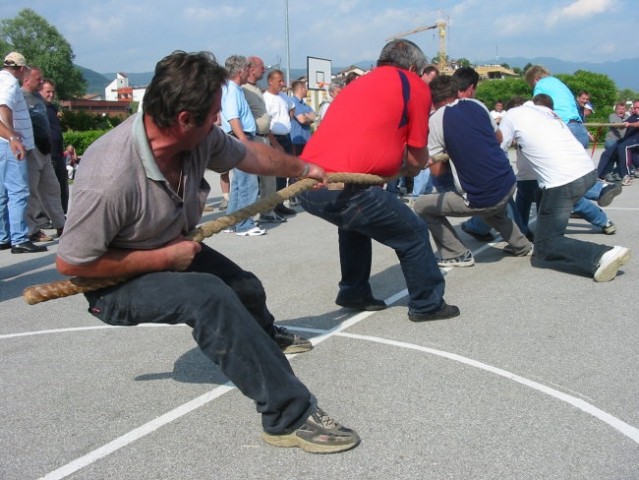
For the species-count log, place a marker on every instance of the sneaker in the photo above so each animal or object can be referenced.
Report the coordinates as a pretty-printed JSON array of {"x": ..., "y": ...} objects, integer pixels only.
[
  {"x": 223, "y": 204},
  {"x": 284, "y": 211},
  {"x": 522, "y": 252},
  {"x": 444, "y": 312},
  {"x": 464, "y": 260},
  {"x": 608, "y": 193},
  {"x": 274, "y": 218},
  {"x": 616, "y": 177},
  {"x": 636, "y": 174},
  {"x": 319, "y": 434},
  {"x": 229, "y": 230},
  {"x": 482, "y": 237},
  {"x": 610, "y": 263},
  {"x": 293, "y": 202},
  {"x": 626, "y": 181},
  {"x": 290, "y": 342},
  {"x": 609, "y": 228},
  {"x": 40, "y": 236},
  {"x": 253, "y": 232}
]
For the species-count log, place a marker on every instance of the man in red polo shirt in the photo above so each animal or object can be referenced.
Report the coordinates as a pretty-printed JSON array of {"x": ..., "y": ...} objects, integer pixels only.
[{"x": 390, "y": 106}]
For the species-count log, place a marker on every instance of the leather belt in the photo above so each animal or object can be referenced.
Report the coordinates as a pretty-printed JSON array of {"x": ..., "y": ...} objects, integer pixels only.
[{"x": 350, "y": 187}]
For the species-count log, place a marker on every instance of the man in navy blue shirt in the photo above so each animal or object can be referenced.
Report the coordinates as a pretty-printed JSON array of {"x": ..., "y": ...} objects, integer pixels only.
[{"x": 484, "y": 179}]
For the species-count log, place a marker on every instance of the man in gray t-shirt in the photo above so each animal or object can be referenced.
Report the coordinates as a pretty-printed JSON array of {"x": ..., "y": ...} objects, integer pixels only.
[{"x": 140, "y": 190}]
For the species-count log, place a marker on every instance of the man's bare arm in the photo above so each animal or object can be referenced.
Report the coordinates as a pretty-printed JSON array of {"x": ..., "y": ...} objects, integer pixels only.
[
  {"x": 175, "y": 256},
  {"x": 264, "y": 160}
]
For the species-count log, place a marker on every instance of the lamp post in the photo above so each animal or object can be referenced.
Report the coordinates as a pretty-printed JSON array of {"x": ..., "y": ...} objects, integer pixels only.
[{"x": 288, "y": 49}]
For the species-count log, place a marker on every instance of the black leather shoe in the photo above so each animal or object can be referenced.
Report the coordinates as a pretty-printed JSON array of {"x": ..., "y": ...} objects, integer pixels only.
[
  {"x": 5, "y": 246},
  {"x": 365, "y": 304},
  {"x": 444, "y": 312},
  {"x": 28, "y": 247}
]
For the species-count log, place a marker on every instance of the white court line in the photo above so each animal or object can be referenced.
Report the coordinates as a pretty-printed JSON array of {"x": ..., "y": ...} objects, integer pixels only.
[
  {"x": 137, "y": 433},
  {"x": 188, "y": 407},
  {"x": 626, "y": 209},
  {"x": 81, "y": 329},
  {"x": 622, "y": 427},
  {"x": 174, "y": 414}
]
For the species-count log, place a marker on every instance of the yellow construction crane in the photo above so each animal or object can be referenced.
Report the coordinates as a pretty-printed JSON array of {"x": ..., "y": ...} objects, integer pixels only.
[{"x": 441, "y": 26}]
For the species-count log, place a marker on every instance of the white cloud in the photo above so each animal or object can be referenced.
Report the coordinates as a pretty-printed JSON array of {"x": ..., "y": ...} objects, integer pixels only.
[{"x": 585, "y": 8}]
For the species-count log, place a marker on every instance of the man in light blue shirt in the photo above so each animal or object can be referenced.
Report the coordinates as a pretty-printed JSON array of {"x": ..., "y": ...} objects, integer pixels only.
[{"x": 238, "y": 121}]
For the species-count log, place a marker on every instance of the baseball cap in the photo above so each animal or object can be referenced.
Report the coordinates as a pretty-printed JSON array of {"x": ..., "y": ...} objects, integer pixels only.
[
  {"x": 15, "y": 59},
  {"x": 589, "y": 107}
]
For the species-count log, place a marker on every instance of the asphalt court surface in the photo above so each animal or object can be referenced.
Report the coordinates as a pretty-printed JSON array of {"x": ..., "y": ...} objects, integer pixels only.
[{"x": 537, "y": 379}]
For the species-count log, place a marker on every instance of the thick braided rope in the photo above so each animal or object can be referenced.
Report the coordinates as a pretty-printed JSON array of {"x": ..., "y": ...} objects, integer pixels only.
[{"x": 64, "y": 288}]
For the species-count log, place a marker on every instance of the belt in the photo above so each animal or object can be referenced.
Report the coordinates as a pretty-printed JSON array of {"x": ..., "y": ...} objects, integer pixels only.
[
  {"x": 248, "y": 134},
  {"x": 350, "y": 187},
  {"x": 574, "y": 121},
  {"x": 261, "y": 134},
  {"x": 283, "y": 135}
]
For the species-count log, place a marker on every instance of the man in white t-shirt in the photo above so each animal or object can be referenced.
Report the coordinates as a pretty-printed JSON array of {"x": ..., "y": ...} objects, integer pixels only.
[
  {"x": 279, "y": 107},
  {"x": 16, "y": 139},
  {"x": 498, "y": 112},
  {"x": 564, "y": 172}
]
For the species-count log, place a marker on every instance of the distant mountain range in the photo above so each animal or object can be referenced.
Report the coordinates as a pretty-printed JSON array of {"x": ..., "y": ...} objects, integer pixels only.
[{"x": 623, "y": 72}]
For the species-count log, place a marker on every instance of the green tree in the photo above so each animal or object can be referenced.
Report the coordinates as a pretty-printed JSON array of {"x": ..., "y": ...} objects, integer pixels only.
[
  {"x": 603, "y": 92},
  {"x": 489, "y": 91},
  {"x": 626, "y": 95},
  {"x": 42, "y": 45}
]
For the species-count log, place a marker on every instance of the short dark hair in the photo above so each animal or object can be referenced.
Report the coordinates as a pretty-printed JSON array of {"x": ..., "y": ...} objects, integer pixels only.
[
  {"x": 404, "y": 54},
  {"x": 272, "y": 73},
  {"x": 183, "y": 82},
  {"x": 428, "y": 69},
  {"x": 465, "y": 77},
  {"x": 297, "y": 84},
  {"x": 442, "y": 87},
  {"x": 516, "y": 101},
  {"x": 49, "y": 81},
  {"x": 544, "y": 100}
]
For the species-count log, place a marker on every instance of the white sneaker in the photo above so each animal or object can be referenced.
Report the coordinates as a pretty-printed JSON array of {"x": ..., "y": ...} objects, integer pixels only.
[
  {"x": 610, "y": 263},
  {"x": 253, "y": 232}
]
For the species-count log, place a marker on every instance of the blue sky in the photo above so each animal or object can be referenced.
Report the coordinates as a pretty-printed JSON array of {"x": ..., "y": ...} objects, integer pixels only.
[{"x": 131, "y": 36}]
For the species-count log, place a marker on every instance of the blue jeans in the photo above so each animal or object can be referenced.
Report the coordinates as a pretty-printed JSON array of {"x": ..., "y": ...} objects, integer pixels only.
[
  {"x": 226, "y": 308},
  {"x": 363, "y": 213},
  {"x": 244, "y": 191},
  {"x": 14, "y": 196},
  {"x": 591, "y": 212},
  {"x": 580, "y": 132},
  {"x": 551, "y": 244},
  {"x": 422, "y": 183}
]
